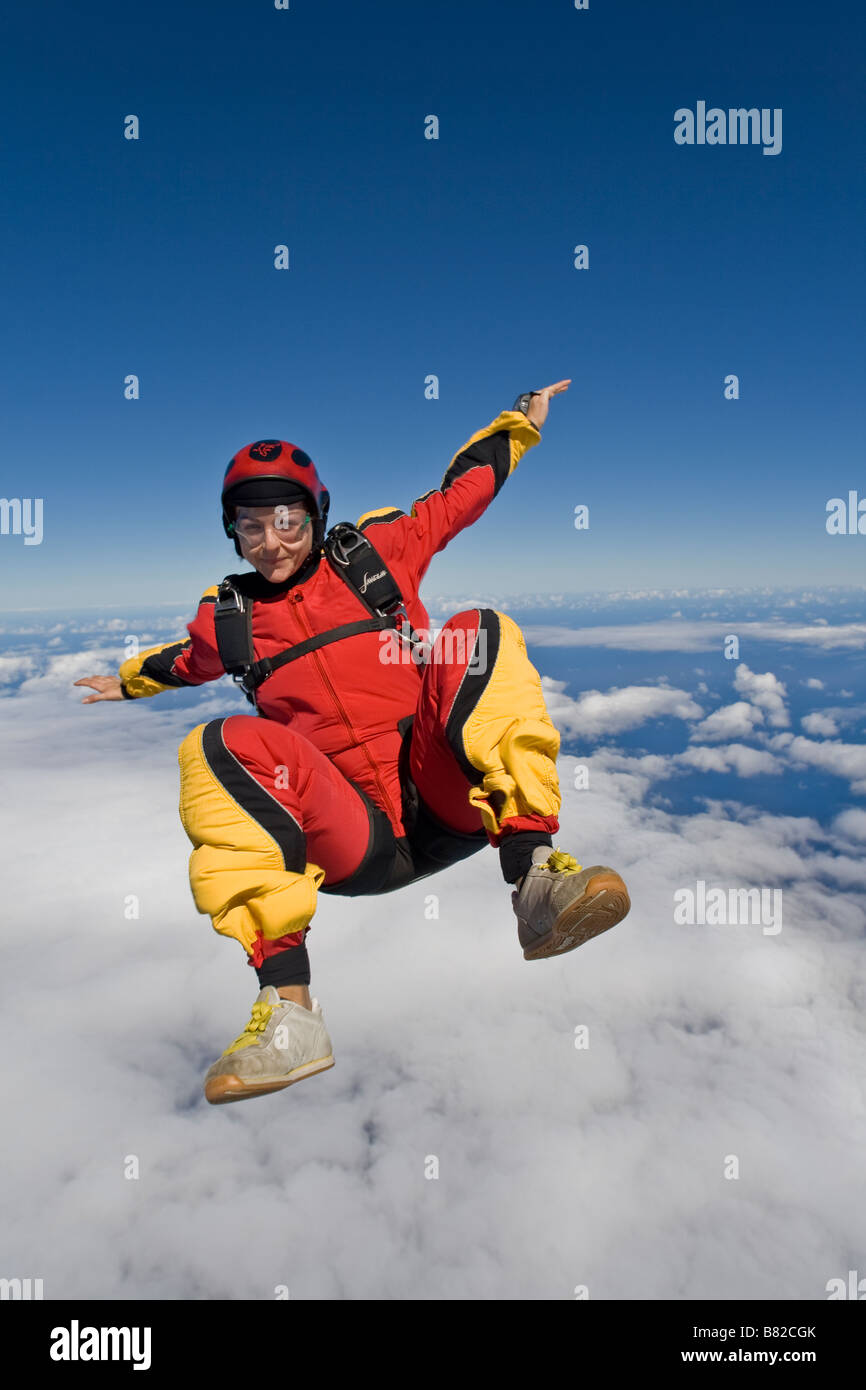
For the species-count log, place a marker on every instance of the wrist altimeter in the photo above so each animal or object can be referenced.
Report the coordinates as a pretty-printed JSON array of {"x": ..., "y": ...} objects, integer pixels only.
[{"x": 522, "y": 402}]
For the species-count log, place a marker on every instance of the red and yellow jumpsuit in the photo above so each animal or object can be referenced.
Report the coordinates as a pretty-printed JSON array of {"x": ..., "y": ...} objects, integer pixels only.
[{"x": 363, "y": 770}]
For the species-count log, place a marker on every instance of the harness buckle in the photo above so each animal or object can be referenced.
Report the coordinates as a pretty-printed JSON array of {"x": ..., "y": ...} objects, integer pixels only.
[
  {"x": 340, "y": 549},
  {"x": 397, "y": 610},
  {"x": 228, "y": 599},
  {"x": 410, "y": 637}
]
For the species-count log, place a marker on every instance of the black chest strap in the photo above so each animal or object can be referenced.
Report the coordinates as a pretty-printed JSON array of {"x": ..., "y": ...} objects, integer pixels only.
[{"x": 357, "y": 562}]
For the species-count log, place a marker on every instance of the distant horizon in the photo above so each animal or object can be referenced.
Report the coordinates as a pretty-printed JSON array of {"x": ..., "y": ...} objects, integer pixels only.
[{"x": 697, "y": 591}]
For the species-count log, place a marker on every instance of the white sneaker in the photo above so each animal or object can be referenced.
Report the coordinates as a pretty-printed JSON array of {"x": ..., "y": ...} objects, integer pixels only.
[{"x": 282, "y": 1043}]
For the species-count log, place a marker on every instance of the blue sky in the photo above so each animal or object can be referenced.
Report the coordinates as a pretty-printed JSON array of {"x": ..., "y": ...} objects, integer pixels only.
[{"x": 411, "y": 256}]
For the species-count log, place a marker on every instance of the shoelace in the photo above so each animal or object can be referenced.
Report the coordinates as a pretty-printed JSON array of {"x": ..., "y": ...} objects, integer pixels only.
[
  {"x": 257, "y": 1024},
  {"x": 561, "y": 862}
]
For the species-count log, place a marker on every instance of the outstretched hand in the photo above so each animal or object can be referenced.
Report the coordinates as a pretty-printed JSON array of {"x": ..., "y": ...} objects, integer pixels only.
[
  {"x": 539, "y": 405},
  {"x": 108, "y": 687}
]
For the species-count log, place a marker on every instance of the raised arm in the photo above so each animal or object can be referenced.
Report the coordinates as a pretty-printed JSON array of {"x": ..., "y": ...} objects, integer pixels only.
[{"x": 472, "y": 480}]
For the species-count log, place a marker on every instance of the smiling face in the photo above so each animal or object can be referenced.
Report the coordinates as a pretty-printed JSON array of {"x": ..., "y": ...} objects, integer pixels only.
[{"x": 275, "y": 540}]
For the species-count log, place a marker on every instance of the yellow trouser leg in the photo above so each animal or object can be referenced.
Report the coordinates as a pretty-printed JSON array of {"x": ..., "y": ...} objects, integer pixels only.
[
  {"x": 237, "y": 870},
  {"x": 510, "y": 737}
]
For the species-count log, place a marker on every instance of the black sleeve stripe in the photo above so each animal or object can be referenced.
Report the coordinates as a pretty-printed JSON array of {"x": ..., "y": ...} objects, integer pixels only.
[
  {"x": 494, "y": 450},
  {"x": 157, "y": 667},
  {"x": 423, "y": 498},
  {"x": 392, "y": 514}
]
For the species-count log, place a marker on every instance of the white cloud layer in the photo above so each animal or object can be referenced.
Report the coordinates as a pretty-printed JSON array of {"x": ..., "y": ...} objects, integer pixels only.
[
  {"x": 821, "y": 725},
  {"x": 765, "y": 691},
  {"x": 841, "y": 759},
  {"x": 734, "y": 757},
  {"x": 558, "y": 1166},
  {"x": 851, "y": 824},
  {"x": 702, "y": 635},
  {"x": 729, "y": 721},
  {"x": 13, "y": 668},
  {"x": 596, "y": 712}
]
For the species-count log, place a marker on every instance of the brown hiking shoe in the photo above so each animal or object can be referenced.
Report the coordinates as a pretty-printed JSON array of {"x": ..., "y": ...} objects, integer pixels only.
[{"x": 560, "y": 905}]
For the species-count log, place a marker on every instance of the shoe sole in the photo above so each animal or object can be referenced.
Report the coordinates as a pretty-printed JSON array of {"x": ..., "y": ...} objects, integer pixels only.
[
  {"x": 222, "y": 1089},
  {"x": 604, "y": 903}
]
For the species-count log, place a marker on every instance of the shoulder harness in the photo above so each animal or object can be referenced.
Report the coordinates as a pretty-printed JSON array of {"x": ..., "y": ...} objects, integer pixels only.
[{"x": 357, "y": 562}]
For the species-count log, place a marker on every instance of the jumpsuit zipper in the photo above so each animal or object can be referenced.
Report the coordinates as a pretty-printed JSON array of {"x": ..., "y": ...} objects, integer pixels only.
[{"x": 298, "y": 598}]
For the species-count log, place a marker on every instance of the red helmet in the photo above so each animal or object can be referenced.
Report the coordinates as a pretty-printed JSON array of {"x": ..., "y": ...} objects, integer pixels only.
[{"x": 268, "y": 473}]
